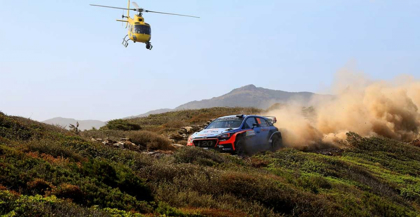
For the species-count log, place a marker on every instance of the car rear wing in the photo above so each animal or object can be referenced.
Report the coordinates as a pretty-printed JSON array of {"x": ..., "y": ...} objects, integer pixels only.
[{"x": 271, "y": 119}]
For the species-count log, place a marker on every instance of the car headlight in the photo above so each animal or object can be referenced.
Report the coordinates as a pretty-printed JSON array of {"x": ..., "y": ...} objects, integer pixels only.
[
  {"x": 225, "y": 136},
  {"x": 190, "y": 141}
]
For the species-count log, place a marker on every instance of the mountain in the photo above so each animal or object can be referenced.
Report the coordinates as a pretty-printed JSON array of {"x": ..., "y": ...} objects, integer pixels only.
[
  {"x": 153, "y": 112},
  {"x": 246, "y": 96},
  {"x": 83, "y": 124},
  {"x": 252, "y": 96}
]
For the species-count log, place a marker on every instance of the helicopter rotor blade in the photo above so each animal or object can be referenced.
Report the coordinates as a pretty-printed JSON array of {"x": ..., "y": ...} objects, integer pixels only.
[
  {"x": 135, "y": 5},
  {"x": 103, "y": 6},
  {"x": 182, "y": 15}
]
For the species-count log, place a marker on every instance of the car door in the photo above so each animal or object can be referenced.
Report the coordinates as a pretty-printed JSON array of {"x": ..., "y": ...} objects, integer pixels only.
[
  {"x": 251, "y": 134},
  {"x": 263, "y": 135}
]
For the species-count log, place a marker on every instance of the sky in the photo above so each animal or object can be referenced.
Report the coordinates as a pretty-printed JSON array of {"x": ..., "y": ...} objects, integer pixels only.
[{"x": 65, "y": 59}]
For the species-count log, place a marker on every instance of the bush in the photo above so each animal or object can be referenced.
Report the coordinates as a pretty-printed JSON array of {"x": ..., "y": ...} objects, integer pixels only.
[
  {"x": 17, "y": 128},
  {"x": 176, "y": 124},
  {"x": 12, "y": 205},
  {"x": 39, "y": 186},
  {"x": 114, "y": 135},
  {"x": 150, "y": 140},
  {"x": 117, "y": 176},
  {"x": 69, "y": 191},
  {"x": 54, "y": 149},
  {"x": 121, "y": 124},
  {"x": 199, "y": 156}
]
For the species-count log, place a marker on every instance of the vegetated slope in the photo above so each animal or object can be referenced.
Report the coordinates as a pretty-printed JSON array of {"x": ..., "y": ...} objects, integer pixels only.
[
  {"x": 251, "y": 96},
  {"x": 83, "y": 124},
  {"x": 46, "y": 170},
  {"x": 176, "y": 119}
]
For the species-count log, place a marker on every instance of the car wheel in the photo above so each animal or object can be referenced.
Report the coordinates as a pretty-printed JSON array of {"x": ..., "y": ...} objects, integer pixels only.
[
  {"x": 276, "y": 143},
  {"x": 240, "y": 148}
]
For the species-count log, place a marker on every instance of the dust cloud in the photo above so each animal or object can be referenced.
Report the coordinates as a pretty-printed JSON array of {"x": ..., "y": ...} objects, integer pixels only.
[{"x": 368, "y": 108}]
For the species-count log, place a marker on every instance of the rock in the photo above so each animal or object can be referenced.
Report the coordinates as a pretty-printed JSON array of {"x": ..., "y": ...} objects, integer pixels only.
[
  {"x": 109, "y": 142},
  {"x": 119, "y": 145},
  {"x": 178, "y": 146},
  {"x": 188, "y": 129},
  {"x": 96, "y": 139},
  {"x": 128, "y": 143}
]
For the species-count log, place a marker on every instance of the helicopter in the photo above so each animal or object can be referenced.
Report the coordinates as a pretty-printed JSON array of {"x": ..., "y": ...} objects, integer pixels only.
[{"x": 138, "y": 29}]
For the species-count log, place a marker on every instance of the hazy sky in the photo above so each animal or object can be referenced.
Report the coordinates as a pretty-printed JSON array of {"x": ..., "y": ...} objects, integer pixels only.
[{"x": 65, "y": 58}]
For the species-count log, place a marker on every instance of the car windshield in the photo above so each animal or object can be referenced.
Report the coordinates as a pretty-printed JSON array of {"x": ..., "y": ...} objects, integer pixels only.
[
  {"x": 142, "y": 29},
  {"x": 226, "y": 123}
]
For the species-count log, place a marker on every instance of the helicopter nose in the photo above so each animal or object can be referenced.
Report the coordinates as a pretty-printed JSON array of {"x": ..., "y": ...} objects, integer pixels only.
[{"x": 134, "y": 38}]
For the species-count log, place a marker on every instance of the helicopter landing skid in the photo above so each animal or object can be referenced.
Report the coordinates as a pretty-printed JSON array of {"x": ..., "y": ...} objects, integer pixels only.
[{"x": 125, "y": 41}]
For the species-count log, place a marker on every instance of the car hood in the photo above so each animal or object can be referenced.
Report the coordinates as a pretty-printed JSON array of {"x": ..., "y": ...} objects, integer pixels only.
[{"x": 211, "y": 132}]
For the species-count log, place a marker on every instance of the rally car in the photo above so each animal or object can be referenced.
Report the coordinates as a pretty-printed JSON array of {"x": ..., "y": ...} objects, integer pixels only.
[{"x": 240, "y": 134}]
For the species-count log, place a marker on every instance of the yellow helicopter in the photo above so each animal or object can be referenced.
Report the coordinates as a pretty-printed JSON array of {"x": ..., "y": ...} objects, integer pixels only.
[{"x": 138, "y": 30}]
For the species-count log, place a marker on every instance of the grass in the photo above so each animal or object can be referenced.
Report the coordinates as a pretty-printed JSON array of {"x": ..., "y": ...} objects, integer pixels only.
[{"x": 46, "y": 170}]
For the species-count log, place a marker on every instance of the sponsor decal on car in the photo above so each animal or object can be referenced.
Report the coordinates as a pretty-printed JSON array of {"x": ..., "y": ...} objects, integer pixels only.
[{"x": 250, "y": 133}]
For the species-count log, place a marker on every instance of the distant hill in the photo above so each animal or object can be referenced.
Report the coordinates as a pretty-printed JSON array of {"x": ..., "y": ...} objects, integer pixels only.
[
  {"x": 247, "y": 96},
  {"x": 153, "y": 112},
  {"x": 251, "y": 96},
  {"x": 83, "y": 124}
]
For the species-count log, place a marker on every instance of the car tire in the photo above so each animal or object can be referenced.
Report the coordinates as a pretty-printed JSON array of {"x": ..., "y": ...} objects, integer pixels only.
[
  {"x": 276, "y": 142},
  {"x": 240, "y": 147}
]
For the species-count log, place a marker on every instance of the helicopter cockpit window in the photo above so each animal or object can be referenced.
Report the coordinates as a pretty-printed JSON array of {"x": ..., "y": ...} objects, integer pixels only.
[{"x": 141, "y": 29}]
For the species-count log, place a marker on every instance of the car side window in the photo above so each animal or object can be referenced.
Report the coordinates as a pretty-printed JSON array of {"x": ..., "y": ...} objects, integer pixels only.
[
  {"x": 268, "y": 123},
  {"x": 249, "y": 123},
  {"x": 262, "y": 122}
]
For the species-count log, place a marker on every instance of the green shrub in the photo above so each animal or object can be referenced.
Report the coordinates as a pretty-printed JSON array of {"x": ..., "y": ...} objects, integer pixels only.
[
  {"x": 55, "y": 149},
  {"x": 199, "y": 156},
  {"x": 40, "y": 186},
  {"x": 69, "y": 191},
  {"x": 117, "y": 176},
  {"x": 150, "y": 140},
  {"x": 13, "y": 205},
  {"x": 17, "y": 128},
  {"x": 114, "y": 135},
  {"x": 121, "y": 124},
  {"x": 175, "y": 124}
]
